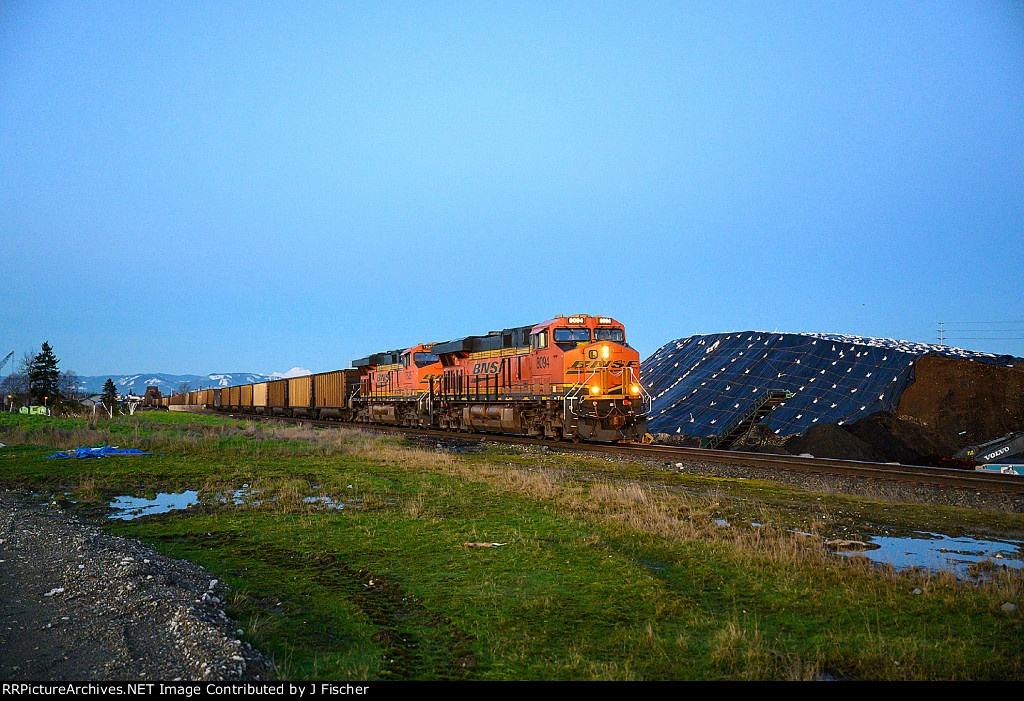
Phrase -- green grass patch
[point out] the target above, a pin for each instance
(351, 555)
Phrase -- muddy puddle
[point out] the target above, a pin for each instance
(963, 556)
(127, 507)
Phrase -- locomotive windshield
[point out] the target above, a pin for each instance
(564, 335)
(613, 335)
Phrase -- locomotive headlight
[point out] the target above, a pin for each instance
(595, 390)
(635, 389)
(604, 351)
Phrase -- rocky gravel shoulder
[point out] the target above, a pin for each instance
(79, 604)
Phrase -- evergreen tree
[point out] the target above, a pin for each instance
(109, 394)
(44, 377)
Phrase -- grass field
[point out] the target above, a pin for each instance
(351, 555)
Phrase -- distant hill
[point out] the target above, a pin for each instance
(170, 384)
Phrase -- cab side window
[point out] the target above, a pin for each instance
(540, 339)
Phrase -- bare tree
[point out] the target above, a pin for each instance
(25, 363)
(68, 384)
(12, 389)
(16, 385)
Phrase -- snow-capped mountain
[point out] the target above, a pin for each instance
(171, 384)
(294, 372)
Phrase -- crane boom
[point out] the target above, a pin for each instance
(4, 361)
(1000, 450)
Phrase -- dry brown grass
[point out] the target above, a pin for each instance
(674, 515)
(87, 490)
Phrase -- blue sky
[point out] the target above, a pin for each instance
(227, 187)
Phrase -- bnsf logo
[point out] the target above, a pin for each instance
(607, 364)
(490, 368)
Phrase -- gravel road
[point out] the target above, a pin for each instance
(77, 604)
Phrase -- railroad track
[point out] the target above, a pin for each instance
(894, 472)
(912, 474)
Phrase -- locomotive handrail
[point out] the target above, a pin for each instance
(580, 385)
(644, 394)
(425, 402)
(569, 399)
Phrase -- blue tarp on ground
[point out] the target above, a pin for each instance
(703, 385)
(97, 452)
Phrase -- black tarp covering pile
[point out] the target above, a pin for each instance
(702, 386)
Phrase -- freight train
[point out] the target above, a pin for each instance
(571, 378)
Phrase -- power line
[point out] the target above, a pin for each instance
(980, 327)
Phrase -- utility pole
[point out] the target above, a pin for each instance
(942, 334)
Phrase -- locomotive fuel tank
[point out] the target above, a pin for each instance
(491, 417)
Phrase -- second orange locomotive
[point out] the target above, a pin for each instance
(569, 377)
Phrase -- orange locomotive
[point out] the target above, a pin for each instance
(391, 386)
(569, 377)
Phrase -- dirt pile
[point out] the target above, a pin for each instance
(832, 441)
(703, 386)
(759, 439)
(952, 403)
(880, 437)
(962, 402)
